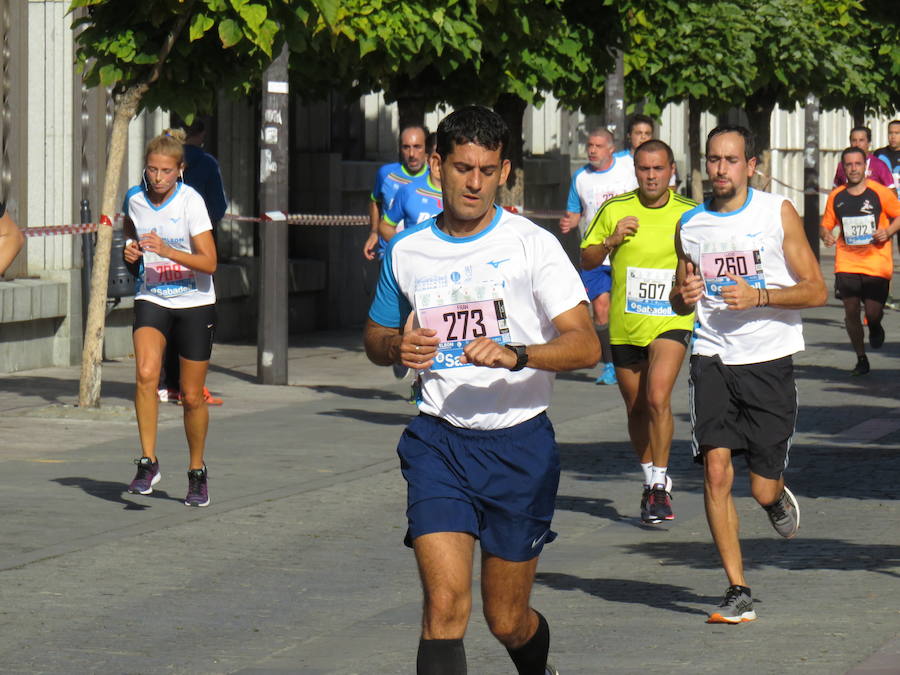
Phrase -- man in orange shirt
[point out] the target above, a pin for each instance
(857, 219)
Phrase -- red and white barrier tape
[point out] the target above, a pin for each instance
(304, 219)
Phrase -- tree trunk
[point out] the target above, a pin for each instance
(759, 114)
(126, 108)
(512, 109)
(614, 97)
(92, 354)
(410, 111)
(859, 115)
(694, 155)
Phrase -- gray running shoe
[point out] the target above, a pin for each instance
(736, 607)
(785, 514)
(550, 670)
(400, 371)
(198, 492)
(146, 477)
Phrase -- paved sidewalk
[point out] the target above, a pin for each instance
(298, 567)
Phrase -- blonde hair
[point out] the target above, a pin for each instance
(170, 143)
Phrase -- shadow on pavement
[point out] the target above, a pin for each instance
(113, 492)
(630, 591)
(796, 554)
(354, 392)
(59, 390)
(389, 419)
(600, 508)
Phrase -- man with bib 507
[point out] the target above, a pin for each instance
(486, 306)
(648, 339)
(746, 266)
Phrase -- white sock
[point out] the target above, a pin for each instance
(648, 471)
(658, 476)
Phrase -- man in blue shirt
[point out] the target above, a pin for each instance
(391, 177)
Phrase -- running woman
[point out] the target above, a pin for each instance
(744, 263)
(648, 339)
(172, 242)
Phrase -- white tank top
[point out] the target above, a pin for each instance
(746, 243)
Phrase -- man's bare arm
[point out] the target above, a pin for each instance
(809, 291)
(688, 288)
(11, 241)
(576, 346)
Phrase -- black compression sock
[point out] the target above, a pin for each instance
(441, 657)
(531, 658)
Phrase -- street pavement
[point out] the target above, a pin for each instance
(297, 566)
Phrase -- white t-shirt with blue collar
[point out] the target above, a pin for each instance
(508, 283)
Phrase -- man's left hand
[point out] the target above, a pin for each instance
(485, 352)
(740, 296)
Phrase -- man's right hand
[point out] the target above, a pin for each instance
(691, 289)
(371, 246)
(626, 227)
(568, 223)
(132, 252)
(418, 345)
(827, 237)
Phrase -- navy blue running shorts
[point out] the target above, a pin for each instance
(499, 486)
(190, 329)
(597, 281)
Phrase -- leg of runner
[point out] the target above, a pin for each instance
(196, 412)
(718, 475)
(664, 363)
(633, 386)
(874, 314)
(854, 328)
(149, 346)
(196, 424)
(445, 569)
(505, 591)
(600, 305)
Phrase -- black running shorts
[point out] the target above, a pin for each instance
(629, 355)
(750, 409)
(190, 329)
(865, 286)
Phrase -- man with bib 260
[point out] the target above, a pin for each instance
(747, 267)
(486, 306)
(862, 261)
(636, 230)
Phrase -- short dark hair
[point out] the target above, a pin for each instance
(851, 150)
(655, 145)
(472, 124)
(604, 133)
(862, 128)
(749, 141)
(639, 118)
(407, 127)
(892, 123)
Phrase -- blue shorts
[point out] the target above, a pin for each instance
(597, 281)
(499, 486)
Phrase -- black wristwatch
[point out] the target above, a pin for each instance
(521, 355)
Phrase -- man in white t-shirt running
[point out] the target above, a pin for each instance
(746, 266)
(486, 306)
(603, 177)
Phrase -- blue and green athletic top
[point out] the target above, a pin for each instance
(413, 203)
